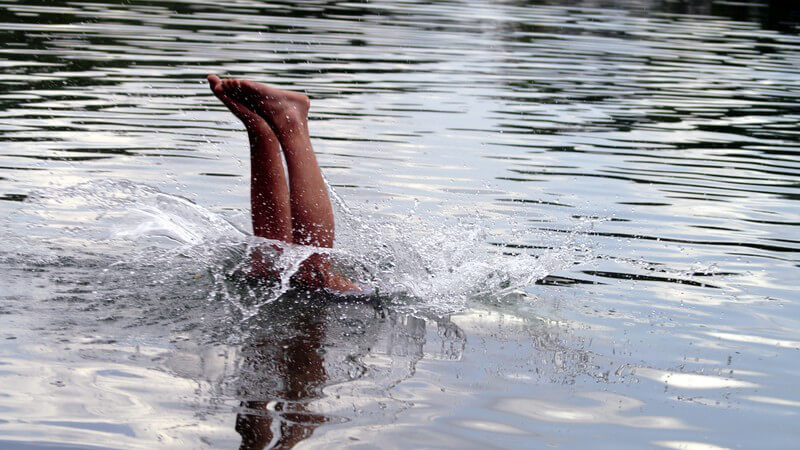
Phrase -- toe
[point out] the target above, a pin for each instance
(232, 85)
(215, 83)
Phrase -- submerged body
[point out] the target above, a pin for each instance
(296, 210)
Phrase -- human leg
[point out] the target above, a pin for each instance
(269, 192)
(310, 209)
(287, 113)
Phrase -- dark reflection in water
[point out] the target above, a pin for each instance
(303, 349)
(783, 15)
(282, 375)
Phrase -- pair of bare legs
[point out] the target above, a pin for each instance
(296, 210)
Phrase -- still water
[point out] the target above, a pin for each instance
(581, 225)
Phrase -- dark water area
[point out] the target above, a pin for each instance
(578, 223)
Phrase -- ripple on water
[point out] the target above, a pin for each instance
(483, 149)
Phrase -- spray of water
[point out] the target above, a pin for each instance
(143, 236)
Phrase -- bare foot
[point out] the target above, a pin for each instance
(285, 111)
(255, 124)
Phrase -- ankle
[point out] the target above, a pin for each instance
(290, 122)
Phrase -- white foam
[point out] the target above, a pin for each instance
(427, 264)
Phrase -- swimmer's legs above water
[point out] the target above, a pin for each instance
(269, 193)
(299, 211)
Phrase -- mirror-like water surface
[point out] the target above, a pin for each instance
(580, 224)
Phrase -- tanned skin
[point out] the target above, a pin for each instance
(296, 210)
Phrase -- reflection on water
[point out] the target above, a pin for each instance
(291, 368)
(295, 375)
(580, 220)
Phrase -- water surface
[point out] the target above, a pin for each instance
(581, 222)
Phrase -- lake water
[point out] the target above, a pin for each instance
(582, 224)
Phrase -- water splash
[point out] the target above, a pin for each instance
(145, 237)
